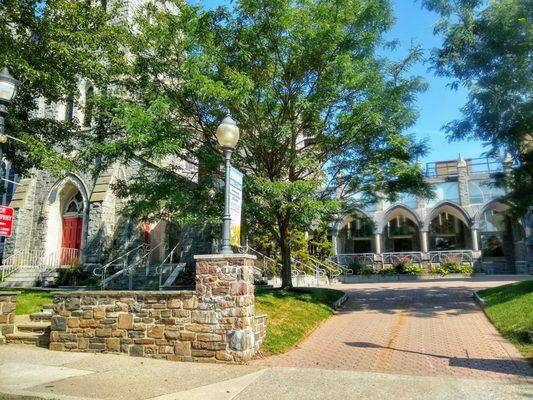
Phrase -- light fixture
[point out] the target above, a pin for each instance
(228, 133)
(227, 136)
(8, 86)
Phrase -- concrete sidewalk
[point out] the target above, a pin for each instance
(33, 373)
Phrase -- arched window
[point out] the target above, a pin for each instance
(88, 113)
(69, 108)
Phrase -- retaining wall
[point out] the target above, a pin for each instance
(215, 322)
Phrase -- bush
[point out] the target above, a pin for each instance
(388, 270)
(74, 276)
(401, 264)
(438, 270)
(412, 269)
(458, 268)
(366, 271)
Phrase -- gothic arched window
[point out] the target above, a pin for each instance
(88, 113)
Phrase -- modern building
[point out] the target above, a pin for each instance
(466, 220)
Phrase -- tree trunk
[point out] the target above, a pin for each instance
(284, 244)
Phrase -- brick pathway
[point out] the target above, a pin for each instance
(423, 328)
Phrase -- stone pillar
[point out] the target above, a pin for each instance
(8, 302)
(377, 243)
(475, 245)
(423, 241)
(462, 172)
(223, 279)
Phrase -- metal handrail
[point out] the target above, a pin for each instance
(102, 270)
(159, 268)
(128, 268)
(438, 257)
(334, 270)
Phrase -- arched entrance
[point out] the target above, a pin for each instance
(66, 223)
(72, 229)
(401, 232)
(355, 234)
(448, 228)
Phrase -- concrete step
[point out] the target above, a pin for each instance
(36, 339)
(43, 316)
(33, 327)
(18, 284)
(48, 306)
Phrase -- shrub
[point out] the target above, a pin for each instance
(401, 264)
(412, 269)
(366, 271)
(438, 270)
(388, 270)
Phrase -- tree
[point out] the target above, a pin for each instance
(487, 49)
(310, 95)
(50, 47)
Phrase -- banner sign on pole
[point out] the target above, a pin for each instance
(235, 204)
(6, 221)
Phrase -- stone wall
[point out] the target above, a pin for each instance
(8, 302)
(216, 322)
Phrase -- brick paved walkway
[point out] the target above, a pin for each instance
(424, 328)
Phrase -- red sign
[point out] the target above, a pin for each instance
(6, 221)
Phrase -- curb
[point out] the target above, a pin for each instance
(341, 301)
(479, 301)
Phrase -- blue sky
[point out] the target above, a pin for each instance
(439, 104)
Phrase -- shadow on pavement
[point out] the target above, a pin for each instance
(503, 366)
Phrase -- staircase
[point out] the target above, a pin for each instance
(152, 277)
(32, 329)
(27, 277)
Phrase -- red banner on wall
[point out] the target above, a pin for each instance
(6, 221)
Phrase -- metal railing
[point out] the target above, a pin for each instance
(460, 256)
(401, 258)
(39, 259)
(361, 259)
(102, 271)
(173, 267)
(483, 165)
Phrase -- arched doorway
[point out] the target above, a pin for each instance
(401, 231)
(72, 229)
(447, 232)
(355, 234)
(67, 220)
(448, 228)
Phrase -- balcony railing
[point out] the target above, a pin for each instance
(474, 166)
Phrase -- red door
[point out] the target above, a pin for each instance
(71, 239)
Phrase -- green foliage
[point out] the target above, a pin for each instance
(454, 267)
(51, 47)
(438, 270)
(76, 276)
(487, 49)
(401, 264)
(364, 271)
(388, 270)
(510, 308)
(291, 315)
(286, 70)
(413, 269)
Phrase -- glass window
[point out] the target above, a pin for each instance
(482, 190)
(88, 114)
(445, 191)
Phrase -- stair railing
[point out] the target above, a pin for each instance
(333, 270)
(102, 271)
(159, 269)
(143, 261)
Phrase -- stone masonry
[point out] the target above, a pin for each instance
(8, 302)
(216, 322)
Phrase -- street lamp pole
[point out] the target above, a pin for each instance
(8, 89)
(227, 136)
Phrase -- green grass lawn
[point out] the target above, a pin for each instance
(30, 300)
(510, 308)
(292, 315)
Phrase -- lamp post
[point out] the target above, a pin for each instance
(227, 136)
(8, 89)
